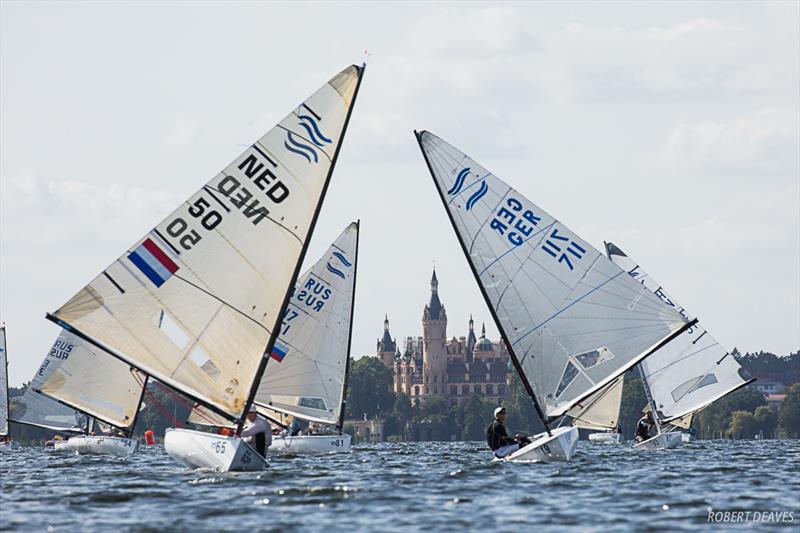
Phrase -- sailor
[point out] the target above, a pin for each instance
(497, 437)
(256, 432)
(644, 426)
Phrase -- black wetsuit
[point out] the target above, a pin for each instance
(497, 436)
(643, 428)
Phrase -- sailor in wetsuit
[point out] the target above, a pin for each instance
(497, 437)
(644, 426)
(256, 432)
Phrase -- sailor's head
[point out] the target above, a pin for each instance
(500, 414)
(251, 414)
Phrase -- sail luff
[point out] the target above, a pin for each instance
(279, 318)
(486, 298)
(343, 403)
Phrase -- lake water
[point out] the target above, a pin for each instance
(407, 487)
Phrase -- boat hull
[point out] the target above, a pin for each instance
(310, 444)
(686, 437)
(662, 441)
(605, 438)
(557, 447)
(100, 445)
(197, 449)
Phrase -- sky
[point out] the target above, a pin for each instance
(672, 129)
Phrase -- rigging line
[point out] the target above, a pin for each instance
(223, 302)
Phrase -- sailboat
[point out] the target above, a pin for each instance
(107, 391)
(306, 377)
(600, 413)
(5, 437)
(197, 303)
(572, 321)
(684, 376)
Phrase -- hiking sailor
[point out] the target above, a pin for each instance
(256, 432)
(644, 426)
(497, 437)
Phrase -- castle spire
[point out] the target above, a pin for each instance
(483, 329)
(434, 282)
(471, 322)
(386, 323)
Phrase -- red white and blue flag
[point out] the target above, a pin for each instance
(153, 262)
(278, 351)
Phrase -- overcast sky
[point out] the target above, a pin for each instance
(672, 129)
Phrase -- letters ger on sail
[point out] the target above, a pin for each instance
(193, 302)
(691, 371)
(573, 319)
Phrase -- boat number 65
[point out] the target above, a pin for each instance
(218, 446)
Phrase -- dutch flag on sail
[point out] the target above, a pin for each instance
(278, 352)
(153, 262)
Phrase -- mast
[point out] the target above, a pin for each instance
(340, 424)
(282, 311)
(8, 397)
(650, 400)
(509, 346)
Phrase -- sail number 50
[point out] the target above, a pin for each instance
(179, 228)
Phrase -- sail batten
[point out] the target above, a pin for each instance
(195, 302)
(560, 304)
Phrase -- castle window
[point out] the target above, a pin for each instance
(453, 390)
(501, 390)
(416, 390)
(478, 390)
(490, 389)
(465, 390)
(435, 390)
(435, 378)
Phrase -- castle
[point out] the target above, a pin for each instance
(454, 369)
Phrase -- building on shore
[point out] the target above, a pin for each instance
(432, 365)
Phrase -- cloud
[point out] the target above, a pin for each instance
(763, 143)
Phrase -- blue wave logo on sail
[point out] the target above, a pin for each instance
(300, 145)
(342, 259)
(456, 188)
(477, 195)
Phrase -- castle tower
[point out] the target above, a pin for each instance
(386, 346)
(471, 340)
(434, 335)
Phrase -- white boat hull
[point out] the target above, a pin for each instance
(557, 447)
(63, 446)
(686, 437)
(605, 438)
(662, 441)
(197, 449)
(100, 445)
(310, 444)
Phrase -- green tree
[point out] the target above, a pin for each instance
(789, 415)
(715, 420)
(742, 426)
(369, 390)
(403, 409)
(766, 420)
(478, 414)
(521, 412)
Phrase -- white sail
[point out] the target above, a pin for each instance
(87, 378)
(3, 383)
(601, 410)
(691, 371)
(573, 320)
(195, 301)
(305, 376)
